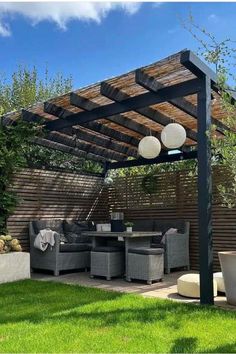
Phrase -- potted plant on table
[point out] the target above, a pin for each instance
(129, 226)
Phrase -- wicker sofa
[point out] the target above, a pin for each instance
(176, 245)
(71, 249)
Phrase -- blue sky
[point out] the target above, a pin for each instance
(97, 43)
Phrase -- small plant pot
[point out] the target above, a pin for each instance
(129, 229)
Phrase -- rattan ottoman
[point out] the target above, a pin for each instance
(145, 264)
(107, 262)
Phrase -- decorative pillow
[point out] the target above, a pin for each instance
(75, 238)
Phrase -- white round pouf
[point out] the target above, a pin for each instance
(189, 285)
(220, 282)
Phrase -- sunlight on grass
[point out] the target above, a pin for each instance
(51, 317)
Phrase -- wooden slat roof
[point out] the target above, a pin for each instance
(116, 138)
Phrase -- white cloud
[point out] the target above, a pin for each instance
(213, 18)
(61, 13)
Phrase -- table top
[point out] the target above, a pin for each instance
(121, 234)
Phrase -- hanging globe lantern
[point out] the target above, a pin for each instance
(149, 147)
(173, 136)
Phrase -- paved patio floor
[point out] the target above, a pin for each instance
(166, 289)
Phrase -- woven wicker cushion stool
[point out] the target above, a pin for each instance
(220, 282)
(145, 264)
(188, 285)
(107, 262)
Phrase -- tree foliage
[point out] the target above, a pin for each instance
(221, 55)
(22, 90)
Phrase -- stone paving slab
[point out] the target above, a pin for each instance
(167, 289)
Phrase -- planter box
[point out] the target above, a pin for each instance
(228, 266)
(14, 266)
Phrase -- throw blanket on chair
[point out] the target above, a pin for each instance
(44, 239)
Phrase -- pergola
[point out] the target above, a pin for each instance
(105, 121)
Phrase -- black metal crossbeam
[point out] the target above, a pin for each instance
(152, 114)
(140, 101)
(162, 158)
(200, 69)
(107, 142)
(66, 140)
(119, 119)
(66, 149)
(152, 84)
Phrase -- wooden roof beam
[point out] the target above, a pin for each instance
(73, 143)
(127, 123)
(146, 99)
(152, 114)
(152, 84)
(107, 142)
(66, 149)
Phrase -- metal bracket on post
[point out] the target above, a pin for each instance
(205, 193)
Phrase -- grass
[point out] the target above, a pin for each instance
(51, 317)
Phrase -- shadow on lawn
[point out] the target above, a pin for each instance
(36, 302)
(184, 345)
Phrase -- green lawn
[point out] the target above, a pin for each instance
(52, 317)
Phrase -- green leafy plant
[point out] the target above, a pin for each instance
(129, 224)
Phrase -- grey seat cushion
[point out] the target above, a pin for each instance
(74, 247)
(146, 251)
(107, 249)
(54, 225)
(157, 245)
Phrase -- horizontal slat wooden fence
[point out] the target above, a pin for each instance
(55, 195)
(59, 195)
(176, 198)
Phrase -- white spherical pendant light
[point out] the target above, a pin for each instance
(173, 136)
(149, 147)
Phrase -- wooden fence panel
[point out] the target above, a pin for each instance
(59, 195)
(55, 195)
(176, 198)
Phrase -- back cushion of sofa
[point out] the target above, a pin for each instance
(143, 225)
(54, 225)
(165, 225)
(73, 230)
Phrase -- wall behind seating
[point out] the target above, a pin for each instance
(55, 195)
(58, 195)
(176, 198)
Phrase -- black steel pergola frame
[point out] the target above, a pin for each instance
(202, 85)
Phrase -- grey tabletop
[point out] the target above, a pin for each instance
(134, 234)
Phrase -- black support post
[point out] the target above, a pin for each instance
(205, 193)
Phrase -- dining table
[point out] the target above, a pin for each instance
(135, 239)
